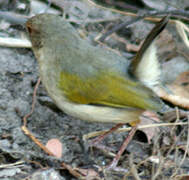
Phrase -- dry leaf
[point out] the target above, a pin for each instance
(180, 86)
(179, 89)
(89, 174)
(166, 45)
(55, 146)
(149, 118)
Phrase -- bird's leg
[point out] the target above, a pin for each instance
(96, 142)
(101, 137)
(115, 161)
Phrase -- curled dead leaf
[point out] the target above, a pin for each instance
(149, 118)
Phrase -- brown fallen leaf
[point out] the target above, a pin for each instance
(149, 118)
(167, 49)
(89, 174)
(179, 95)
(180, 86)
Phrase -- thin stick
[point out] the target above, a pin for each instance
(122, 149)
(97, 133)
(173, 13)
(15, 42)
(36, 141)
(25, 129)
(33, 103)
(101, 137)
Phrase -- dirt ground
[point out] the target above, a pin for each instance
(20, 158)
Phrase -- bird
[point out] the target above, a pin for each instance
(94, 83)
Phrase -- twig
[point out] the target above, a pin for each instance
(33, 103)
(148, 15)
(36, 141)
(185, 153)
(97, 133)
(128, 139)
(11, 164)
(72, 171)
(187, 146)
(16, 43)
(25, 129)
(177, 119)
(118, 27)
(133, 169)
(101, 137)
(158, 171)
(137, 167)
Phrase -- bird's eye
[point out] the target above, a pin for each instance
(29, 29)
(32, 30)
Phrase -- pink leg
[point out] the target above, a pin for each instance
(122, 149)
(101, 137)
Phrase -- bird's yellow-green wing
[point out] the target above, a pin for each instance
(108, 88)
